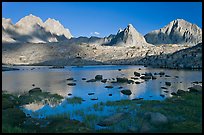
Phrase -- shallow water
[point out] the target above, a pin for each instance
(54, 81)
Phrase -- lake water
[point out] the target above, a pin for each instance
(54, 81)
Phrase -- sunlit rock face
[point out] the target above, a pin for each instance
(55, 27)
(176, 32)
(128, 37)
(7, 28)
(32, 29)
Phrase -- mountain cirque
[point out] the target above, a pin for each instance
(56, 46)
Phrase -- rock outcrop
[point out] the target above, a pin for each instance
(176, 32)
(185, 58)
(128, 37)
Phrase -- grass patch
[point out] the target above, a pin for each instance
(31, 97)
(184, 113)
(12, 129)
(98, 107)
(75, 100)
(90, 120)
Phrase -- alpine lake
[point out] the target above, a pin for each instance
(101, 98)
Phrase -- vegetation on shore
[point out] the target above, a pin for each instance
(183, 113)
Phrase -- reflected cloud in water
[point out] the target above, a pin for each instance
(54, 81)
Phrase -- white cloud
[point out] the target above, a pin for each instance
(95, 33)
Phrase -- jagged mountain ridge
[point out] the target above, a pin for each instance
(32, 29)
(176, 32)
(129, 37)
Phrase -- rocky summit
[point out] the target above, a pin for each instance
(128, 37)
(176, 32)
(55, 27)
(31, 29)
(177, 45)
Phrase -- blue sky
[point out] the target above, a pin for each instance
(105, 18)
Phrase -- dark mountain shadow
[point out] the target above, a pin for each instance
(186, 59)
(115, 39)
(39, 33)
(68, 61)
(18, 37)
(85, 40)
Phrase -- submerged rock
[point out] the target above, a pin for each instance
(122, 80)
(56, 67)
(130, 81)
(94, 98)
(146, 77)
(91, 80)
(168, 83)
(135, 78)
(98, 77)
(113, 82)
(154, 77)
(108, 86)
(70, 79)
(195, 88)
(112, 119)
(163, 88)
(34, 90)
(148, 74)
(179, 91)
(104, 80)
(196, 82)
(90, 93)
(167, 76)
(137, 82)
(126, 92)
(162, 95)
(173, 93)
(71, 84)
(136, 74)
(166, 91)
(156, 73)
(161, 73)
(137, 98)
